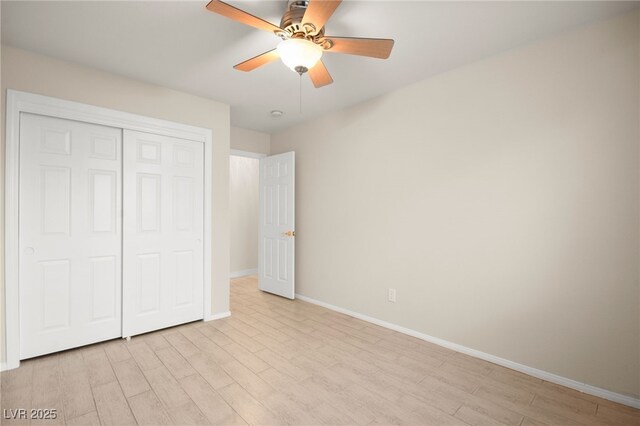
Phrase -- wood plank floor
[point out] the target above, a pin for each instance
(277, 361)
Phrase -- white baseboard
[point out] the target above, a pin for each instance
(544, 375)
(218, 316)
(4, 366)
(243, 273)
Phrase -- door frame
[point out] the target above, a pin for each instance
(19, 102)
(246, 154)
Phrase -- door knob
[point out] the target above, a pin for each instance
(289, 234)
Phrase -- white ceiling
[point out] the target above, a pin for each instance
(182, 46)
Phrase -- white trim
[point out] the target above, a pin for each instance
(11, 241)
(249, 154)
(19, 102)
(217, 316)
(541, 374)
(243, 273)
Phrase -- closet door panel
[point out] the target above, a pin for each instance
(163, 232)
(69, 234)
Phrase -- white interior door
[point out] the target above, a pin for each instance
(70, 234)
(276, 251)
(163, 232)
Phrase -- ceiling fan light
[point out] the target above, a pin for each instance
(299, 54)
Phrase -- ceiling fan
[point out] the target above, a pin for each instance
(303, 40)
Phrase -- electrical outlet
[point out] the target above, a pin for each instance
(392, 295)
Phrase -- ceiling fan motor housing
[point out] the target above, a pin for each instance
(292, 26)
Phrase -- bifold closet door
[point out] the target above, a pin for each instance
(163, 276)
(69, 234)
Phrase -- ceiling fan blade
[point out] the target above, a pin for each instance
(319, 75)
(258, 61)
(236, 14)
(372, 47)
(319, 11)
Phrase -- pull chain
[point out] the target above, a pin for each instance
(300, 93)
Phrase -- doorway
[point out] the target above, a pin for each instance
(262, 207)
(244, 210)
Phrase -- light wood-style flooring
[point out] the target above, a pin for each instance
(277, 361)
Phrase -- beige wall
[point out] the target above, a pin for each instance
(250, 140)
(34, 73)
(243, 212)
(499, 199)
